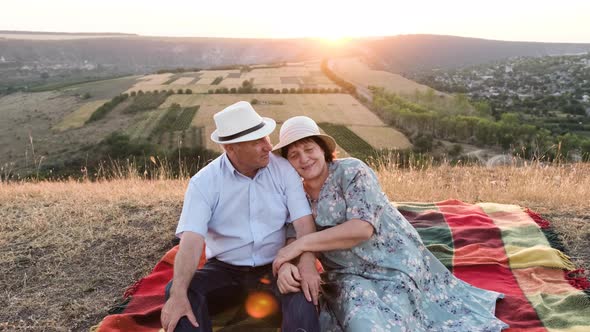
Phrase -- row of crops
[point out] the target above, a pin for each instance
(146, 101)
(176, 118)
(349, 141)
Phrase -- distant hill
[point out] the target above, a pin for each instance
(137, 54)
(28, 33)
(406, 53)
(24, 60)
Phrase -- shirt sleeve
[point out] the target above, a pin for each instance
(297, 203)
(196, 211)
(362, 194)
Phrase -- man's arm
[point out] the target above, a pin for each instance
(185, 265)
(310, 277)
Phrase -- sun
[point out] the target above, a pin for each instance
(334, 40)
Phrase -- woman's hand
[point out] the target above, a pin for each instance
(288, 279)
(286, 254)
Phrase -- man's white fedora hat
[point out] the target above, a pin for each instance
(240, 123)
(299, 127)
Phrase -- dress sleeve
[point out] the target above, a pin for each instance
(362, 194)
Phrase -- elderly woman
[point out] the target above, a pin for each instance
(379, 275)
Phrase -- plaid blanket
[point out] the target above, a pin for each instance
(499, 247)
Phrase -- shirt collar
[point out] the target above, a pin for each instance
(234, 171)
(229, 165)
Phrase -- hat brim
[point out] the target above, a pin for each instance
(267, 129)
(330, 142)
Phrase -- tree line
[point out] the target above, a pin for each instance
(508, 132)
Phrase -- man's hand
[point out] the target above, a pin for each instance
(310, 277)
(174, 309)
(288, 279)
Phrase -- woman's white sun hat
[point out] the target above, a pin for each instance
(240, 123)
(299, 127)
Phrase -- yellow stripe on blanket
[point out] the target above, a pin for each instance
(520, 257)
(571, 329)
(562, 311)
(496, 207)
(505, 215)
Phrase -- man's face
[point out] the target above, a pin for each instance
(252, 155)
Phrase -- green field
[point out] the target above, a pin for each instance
(104, 89)
(348, 140)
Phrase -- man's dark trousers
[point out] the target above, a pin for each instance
(219, 285)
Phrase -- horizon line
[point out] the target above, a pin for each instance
(130, 34)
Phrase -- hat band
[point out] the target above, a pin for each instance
(241, 133)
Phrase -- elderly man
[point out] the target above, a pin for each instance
(239, 205)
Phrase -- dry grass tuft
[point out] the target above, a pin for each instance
(68, 250)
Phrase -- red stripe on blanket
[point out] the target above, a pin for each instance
(463, 220)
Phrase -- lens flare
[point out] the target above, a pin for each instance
(261, 304)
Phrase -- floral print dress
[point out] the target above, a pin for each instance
(390, 282)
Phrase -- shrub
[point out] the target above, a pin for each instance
(103, 110)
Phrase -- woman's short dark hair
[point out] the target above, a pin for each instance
(329, 156)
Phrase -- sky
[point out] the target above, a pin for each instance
(517, 20)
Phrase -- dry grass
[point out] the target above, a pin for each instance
(78, 118)
(68, 250)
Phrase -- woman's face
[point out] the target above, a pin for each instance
(308, 159)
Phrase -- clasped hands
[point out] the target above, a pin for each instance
(293, 278)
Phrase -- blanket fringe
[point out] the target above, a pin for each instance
(119, 307)
(567, 262)
(577, 278)
(132, 289)
(553, 239)
(543, 223)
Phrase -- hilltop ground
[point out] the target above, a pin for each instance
(68, 250)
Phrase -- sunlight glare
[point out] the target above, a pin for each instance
(261, 304)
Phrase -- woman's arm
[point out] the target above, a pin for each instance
(343, 236)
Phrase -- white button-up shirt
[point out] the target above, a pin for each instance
(243, 219)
